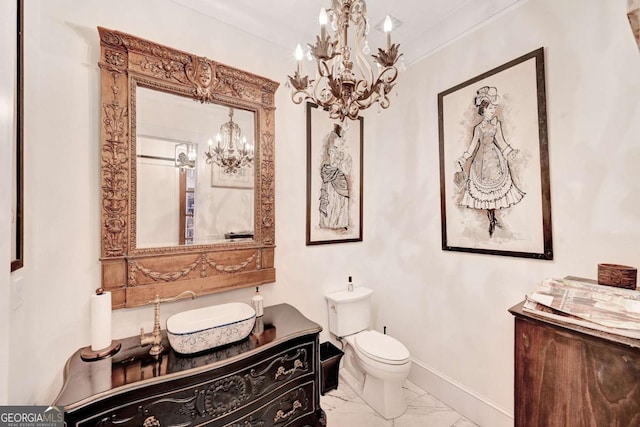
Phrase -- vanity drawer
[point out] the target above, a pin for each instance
(209, 396)
(281, 368)
(289, 409)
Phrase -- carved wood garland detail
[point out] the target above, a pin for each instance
(128, 62)
(202, 261)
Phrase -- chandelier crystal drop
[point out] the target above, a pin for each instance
(232, 152)
(339, 87)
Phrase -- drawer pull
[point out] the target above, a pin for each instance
(297, 364)
(281, 415)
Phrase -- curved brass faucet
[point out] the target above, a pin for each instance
(155, 337)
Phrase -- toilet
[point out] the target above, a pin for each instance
(374, 365)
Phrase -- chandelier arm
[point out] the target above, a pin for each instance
(366, 90)
(363, 64)
(362, 90)
(383, 83)
(388, 75)
(367, 101)
(299, 95)
(323, 69)
(322, 92)
(376, 96)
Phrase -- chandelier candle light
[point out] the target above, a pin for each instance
(337, 88)
(232, 151)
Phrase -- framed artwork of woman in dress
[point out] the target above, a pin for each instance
(494, 165)
(334, 178)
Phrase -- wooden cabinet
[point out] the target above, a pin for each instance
(269, 379)
(570, 376)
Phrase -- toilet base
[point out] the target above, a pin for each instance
(384, 397)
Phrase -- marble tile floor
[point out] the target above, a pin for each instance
(345, 408)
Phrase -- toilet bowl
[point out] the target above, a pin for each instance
(374, 365)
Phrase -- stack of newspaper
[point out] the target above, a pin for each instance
(605, 308)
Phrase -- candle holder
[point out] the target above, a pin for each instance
(89, 355)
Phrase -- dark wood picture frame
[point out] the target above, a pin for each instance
(494, 162)
(17, 256)
(334, 178)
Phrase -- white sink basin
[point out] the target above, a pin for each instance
(205, 328)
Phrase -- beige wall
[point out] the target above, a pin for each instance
(450, 309)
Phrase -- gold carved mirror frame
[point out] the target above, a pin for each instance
(134, 275)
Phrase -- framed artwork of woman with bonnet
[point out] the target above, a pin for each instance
(494, 172)
(487, 182)
(334, 178)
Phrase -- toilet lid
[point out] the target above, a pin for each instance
(381, 347)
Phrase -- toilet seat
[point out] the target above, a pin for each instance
(381, 348)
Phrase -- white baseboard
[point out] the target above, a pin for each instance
(464, 401)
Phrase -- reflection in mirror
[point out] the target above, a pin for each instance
(194, 186)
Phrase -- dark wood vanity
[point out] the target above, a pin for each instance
(569, 375)
(271, 378)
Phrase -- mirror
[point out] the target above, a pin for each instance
(191, 201)
(187, 173)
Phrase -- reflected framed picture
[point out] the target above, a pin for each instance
(494, 165)
(334, 178)
(241, 178)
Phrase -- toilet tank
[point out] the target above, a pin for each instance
(349, 311)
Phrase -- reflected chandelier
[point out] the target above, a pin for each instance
(337, 87)
(185, 157)
(231, 152)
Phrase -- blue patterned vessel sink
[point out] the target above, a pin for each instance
(202, 329)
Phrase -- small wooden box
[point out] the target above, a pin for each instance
(620, 276)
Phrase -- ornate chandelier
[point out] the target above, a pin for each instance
(231, 152)
(338, 87)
